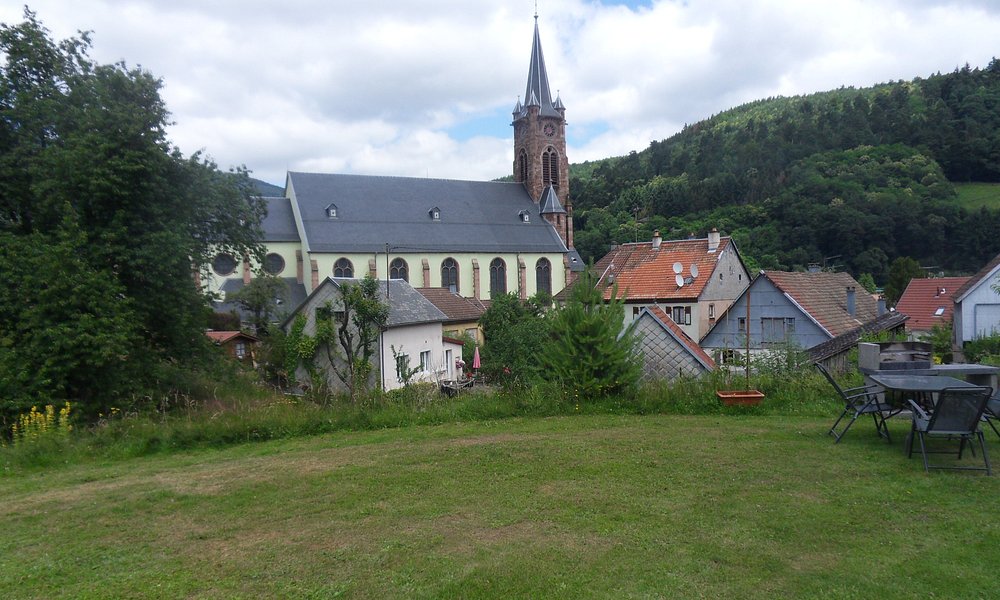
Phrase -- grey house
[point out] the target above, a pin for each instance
(804, 309)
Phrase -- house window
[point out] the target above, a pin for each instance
(343, 268)
(224, 264)
(472, 333)
(449, 274)
(498, 277)
(939, 312)
(776, 329)
(682, 315)
(635, 311)
(711, 311)
(241, 350)
(274, 264)
(728, 357)
(543, 276)
(741, 325)
(425, 360)
(402, 364)
(398, 269)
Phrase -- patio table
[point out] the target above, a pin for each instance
(921, 388)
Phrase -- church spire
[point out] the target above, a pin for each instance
(537, 92)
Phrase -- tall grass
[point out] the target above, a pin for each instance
(241, 411)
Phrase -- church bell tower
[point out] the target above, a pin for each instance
(540, 161)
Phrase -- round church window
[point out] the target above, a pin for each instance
(274, 264)
(224, 264)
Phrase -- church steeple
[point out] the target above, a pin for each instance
(540, 161)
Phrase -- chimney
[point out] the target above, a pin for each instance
(713, 239)
(657, 240)
(881, 305)
(850, 300)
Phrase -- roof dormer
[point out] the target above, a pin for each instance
(524, 216)
(434, 214)
(331, 211)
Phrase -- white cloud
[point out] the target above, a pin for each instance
(412, 88)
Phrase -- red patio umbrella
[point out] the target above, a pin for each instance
(475, 359)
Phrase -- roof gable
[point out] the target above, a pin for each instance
(406, 305)
(929, 301)
(986, 272)
(668, 325)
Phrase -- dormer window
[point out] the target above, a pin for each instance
(331, 211)
(524, 216)
(939, 312)
(435, 214)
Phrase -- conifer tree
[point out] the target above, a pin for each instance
(587, 352)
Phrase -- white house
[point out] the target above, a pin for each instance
(977, 306)
(412, 337)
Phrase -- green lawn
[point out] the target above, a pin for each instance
(974, 196)
(584, 506)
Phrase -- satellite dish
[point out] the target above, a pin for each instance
(678, 268)
(679, 279)
(694, 271)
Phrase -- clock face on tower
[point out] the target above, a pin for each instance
(549, 130)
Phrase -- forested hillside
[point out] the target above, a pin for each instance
(856, 176)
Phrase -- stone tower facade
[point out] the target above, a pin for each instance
(540, 161)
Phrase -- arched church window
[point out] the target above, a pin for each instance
(449, 274)
(543, 276)
(343, 268)
(522, 166)
(498, 277)
(398, 269)
(550, 167)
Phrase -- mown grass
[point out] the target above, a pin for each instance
(598, 505)
(973, 196)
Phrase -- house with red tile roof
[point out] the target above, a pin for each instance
(462, 314)
(236, 344)
(929, 302)
(692, 281)
(804, 309)
(977, 306)
(668, 352)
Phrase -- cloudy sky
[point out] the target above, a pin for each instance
(425, 88)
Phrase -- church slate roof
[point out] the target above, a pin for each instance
(475, 216)
(279, 224)
(550, 203)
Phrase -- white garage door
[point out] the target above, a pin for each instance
(987, 319)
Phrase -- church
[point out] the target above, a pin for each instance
(477, 239)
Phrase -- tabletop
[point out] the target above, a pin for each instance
(918, 383)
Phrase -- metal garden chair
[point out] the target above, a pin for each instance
(858, 401)
(957, 413)
(992, 413)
